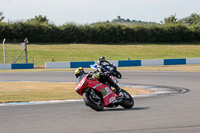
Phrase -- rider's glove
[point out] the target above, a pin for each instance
(91, 73)
(107, 73)
(96, 76)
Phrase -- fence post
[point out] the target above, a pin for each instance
(4, 52)
(25, 42)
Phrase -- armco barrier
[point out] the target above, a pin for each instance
(57, 65)
(153, 62)
(22, 66)
(120, 63)
(85, 64)
(5, 66)
(192, 60)
(174, 61)
(126, 63)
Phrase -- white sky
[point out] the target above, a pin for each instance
(89, 11)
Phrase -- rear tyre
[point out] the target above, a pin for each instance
(93, 100)
(127, 101)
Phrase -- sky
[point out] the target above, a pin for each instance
(91, 11)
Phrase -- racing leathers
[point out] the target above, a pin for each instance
(101, 64)
(103, 78)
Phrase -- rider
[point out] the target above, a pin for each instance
(79, 73)
(101, 62)
(102, 77)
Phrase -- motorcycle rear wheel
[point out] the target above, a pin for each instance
(127, 101)
(92, 102)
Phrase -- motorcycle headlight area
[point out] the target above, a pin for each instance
(80, 85)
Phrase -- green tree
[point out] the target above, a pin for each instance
(194, 18)
(170, 20)
(1, 16)
(39, 19)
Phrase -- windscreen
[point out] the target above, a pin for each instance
(80, 77)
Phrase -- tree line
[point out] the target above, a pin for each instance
(40, 30)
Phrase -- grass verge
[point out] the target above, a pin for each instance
(41, 53)
(44, 91)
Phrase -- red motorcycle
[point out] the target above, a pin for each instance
(97, 95)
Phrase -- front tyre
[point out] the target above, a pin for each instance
(127, 101)
(93, 100)
(118, 75)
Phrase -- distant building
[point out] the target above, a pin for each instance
(131, 22)
(118, 19)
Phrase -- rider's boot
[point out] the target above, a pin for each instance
(117, 88)
(118, 92)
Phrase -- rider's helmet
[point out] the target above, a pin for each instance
(79, 71)
(102, 58)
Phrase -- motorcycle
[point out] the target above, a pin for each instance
(112, 69)
(97, 95)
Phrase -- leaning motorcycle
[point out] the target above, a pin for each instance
(112, 69)
(97, 95)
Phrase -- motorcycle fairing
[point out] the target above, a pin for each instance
(108, 95)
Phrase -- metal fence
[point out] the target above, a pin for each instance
(11, 50)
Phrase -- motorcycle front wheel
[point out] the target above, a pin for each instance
(127, 101)
(93, 101)
(118, 75)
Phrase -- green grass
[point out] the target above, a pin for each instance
(41, 53)
(43, 91)
(36, 91)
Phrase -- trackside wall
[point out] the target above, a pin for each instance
(17, 66)
(118, 63)
(126, 63)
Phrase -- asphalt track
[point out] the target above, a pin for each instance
(175, 113)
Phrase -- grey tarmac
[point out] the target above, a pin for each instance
(178, 113)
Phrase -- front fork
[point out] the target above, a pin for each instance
(94, 95)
